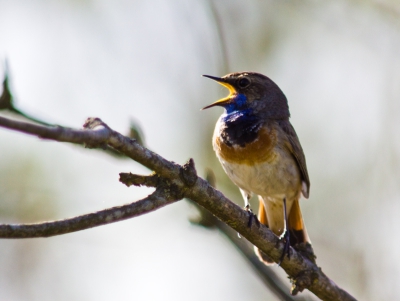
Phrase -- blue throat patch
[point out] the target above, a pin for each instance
(238, 116)
(241, 125)
(239, 103)
(237, 110)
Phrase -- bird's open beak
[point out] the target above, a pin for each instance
(225, 100)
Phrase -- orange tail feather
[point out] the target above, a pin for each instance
(296, 227)
(262, 217)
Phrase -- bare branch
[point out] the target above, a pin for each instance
(156, 200)
(182, 181)
(97, 134)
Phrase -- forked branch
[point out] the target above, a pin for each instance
(173, 182)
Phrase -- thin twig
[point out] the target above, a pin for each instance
(155, 201)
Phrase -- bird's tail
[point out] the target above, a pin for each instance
(296, 227)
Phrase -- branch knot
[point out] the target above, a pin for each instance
(302, 281)
(188, 173)
(95, 123)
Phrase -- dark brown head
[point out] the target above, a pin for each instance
(254, 91)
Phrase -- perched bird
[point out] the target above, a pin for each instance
(261, 153)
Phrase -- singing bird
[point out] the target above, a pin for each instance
(261, 153)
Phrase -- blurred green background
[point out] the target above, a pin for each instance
(338, 62)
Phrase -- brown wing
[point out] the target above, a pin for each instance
(297, 152)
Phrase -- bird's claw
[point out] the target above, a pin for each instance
(252, 216)
(286, 249)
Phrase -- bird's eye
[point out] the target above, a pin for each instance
(243, 82)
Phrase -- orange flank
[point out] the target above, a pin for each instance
(295, 218)
(257, 151)
(262, 214)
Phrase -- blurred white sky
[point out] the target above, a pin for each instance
(337, 62)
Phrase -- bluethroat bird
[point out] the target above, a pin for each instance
(261, 153)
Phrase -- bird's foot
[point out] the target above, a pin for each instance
(286, 249)
(252, 216)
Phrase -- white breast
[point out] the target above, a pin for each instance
(279, 179)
